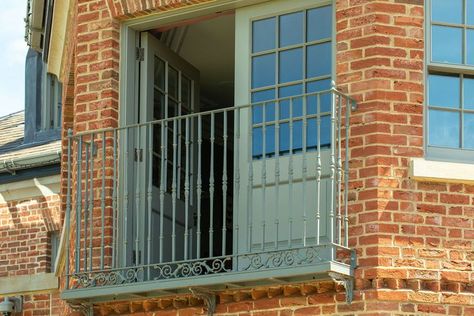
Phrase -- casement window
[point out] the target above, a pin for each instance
(51, 103)
(450, 80)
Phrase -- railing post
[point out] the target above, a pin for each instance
(333, 145)
(67, 217)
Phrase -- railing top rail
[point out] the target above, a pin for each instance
(216, 111)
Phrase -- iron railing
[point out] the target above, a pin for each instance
(239, 189)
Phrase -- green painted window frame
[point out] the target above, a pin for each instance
(440, 68)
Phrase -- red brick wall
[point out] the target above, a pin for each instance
(413, 239)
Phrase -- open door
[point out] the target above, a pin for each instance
(285, 133)
(168, 89)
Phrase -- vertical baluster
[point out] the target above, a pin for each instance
(137, 213)
(333, 175)
(224, 186)
(149, 173)
(211, 190)
(114, 201)
(91, 200)
(290, 176)
(339, 170)
(250, 184)
(304, 171)
(67, 217)
(174, 188)
(86, 204)
(277, 172)
(78, 205)
(236, 175)
(125, 196)
(199, 188)
(346, 177)
(264, 172)
(163, 183)
(186, 191)
(102, 206)
(318, 168)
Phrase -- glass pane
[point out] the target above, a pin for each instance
(319, 60)
(444, 91)
(257, 142)
(284, 138)
(159, 75)
(470, 47)
(263, 71)
(259, 96)
(469, 131)
(450, 11)
(291, 29)
(324, 99)
(158, 105)
(291, 65)
(172, 108)
(444, 128)
(468, 93)
(470, 12)
(297, 135)
(325, 131)
(270, 139)
(186, 92)
(289, 91)
(319, 23)
(446, 44)
(173, 82)
(263, 35)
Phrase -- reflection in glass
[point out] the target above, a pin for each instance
(319, 23)
(468, 93)
(450, 11)
(159, 73)
(469, 131)
(318, 60)
(470, 11)
(291, 65)
(259, 96)
(324, 98)
(263, 71)
(470, 47)
(444, 91)
(291, 29)
(446, 44)
(173, 82)
(444, 128)
(289, 91)
(263, 32)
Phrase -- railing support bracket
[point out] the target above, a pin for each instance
(207, 296)
(84, 308)
(347, 282)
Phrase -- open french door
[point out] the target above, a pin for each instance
(169, 88)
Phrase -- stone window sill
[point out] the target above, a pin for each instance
(441, 171)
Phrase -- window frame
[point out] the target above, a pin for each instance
(431, 67)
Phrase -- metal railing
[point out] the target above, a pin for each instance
(237, 189)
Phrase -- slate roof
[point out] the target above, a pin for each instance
(11, 140)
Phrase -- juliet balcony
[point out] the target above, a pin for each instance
(231, 198)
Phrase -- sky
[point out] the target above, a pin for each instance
(13, 50)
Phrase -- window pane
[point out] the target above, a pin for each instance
(444, 128)
(297, 135)
(263, 35)
(318, 61)
(284, 137)
(446, 44)
(470, 12)
(269, 139)
(468, 93)
(444, 91)
(470, 47)
(259, 96)
(450, 11)
(173, 82)
(289, 91)
(291, 65)
(469, 131)
(319, 23)
(263, 71)
(324, 99)
(291, 29)
(257, 142)
(159, 75)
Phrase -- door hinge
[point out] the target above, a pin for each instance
(138, 154)
(140, 53)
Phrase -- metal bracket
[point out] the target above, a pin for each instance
(347, 282)
(84, 308)
(207, 296)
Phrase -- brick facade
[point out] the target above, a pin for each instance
(413, 239)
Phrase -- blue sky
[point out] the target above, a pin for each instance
(12, 56)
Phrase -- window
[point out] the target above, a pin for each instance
(51, 103)
(450, 80)
(291, 55)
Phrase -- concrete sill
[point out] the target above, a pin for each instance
(441, 171)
